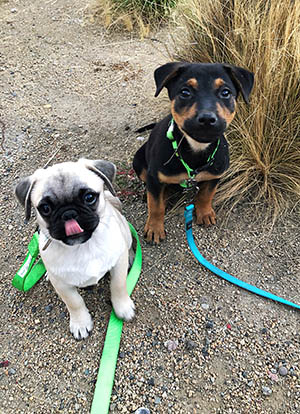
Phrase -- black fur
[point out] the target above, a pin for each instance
(203, 100)
(58, 212)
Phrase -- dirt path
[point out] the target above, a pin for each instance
(198, 345)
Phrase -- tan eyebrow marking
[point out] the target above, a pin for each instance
(218, 83)
(193, 83)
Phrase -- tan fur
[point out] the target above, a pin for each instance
(187, 113)
(224, 113)
(143, 175)
(193, 83)
(203, 205)
(218, 83)
(172, 179)
(155, 222)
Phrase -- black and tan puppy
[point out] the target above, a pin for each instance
(189, 144)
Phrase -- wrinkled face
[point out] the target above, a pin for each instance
(68, 203)
(203, 100)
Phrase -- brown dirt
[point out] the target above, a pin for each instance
(69, 89)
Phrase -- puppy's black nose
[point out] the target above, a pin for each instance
(207, 118)
(69, 215)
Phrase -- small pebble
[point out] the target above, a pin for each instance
(11, 371)
(62, 315)
(274, 377)
(283, 371)
(205, 306)
(204, 352)
(151, 381)
(209, 325)
(190, 345)
(171, 345)
(48, 308)
(142, 410)
(266, 390)
(157, 400)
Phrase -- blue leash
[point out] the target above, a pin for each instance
(188, 214)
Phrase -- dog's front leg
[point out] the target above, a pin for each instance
(122, 304)
(154, 227)
(81, 323)
(203, 203)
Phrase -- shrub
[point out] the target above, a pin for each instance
(263, 36)
(131, 14)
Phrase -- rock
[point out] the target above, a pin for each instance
(283, 371)
(11, 371)
(190, 345)
(266, 390)
(48, 308)
(151, 381)
(209, 325)
(142, 410)
(274, 377)
(171, 345)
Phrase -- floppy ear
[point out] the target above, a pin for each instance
(23, 193)
(167, 72)
(106, 170)
(243, 80)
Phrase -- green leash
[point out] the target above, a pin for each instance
(29, 274)
(190, 172)
(105, 379)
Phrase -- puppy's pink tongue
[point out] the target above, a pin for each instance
(72, 227)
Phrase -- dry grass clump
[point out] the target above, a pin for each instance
(263, 36)
(132, 14)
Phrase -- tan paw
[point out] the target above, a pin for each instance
(154, 231)
(206, 217)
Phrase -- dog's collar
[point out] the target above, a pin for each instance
(190, 171)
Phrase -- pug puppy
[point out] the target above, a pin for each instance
(83, 234)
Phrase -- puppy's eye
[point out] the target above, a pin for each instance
(184, 93)
(45, 209)
(225, 93)
(90, 198)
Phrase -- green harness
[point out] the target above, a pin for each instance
(190, 171)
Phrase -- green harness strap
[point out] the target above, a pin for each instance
(190, 171)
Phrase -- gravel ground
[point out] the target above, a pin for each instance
(198, 344)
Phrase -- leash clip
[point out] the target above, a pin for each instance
(190, 188)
